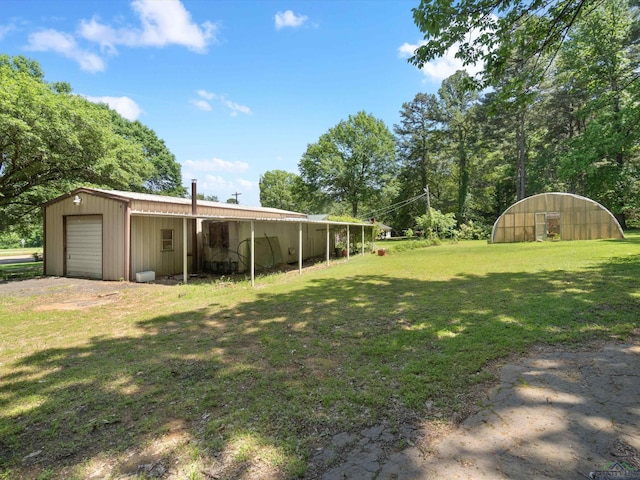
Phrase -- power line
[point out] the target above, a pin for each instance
(395, 206)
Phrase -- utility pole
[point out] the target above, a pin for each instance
(426, 191)
(236, 195)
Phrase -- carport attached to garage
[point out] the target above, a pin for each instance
(113, 235)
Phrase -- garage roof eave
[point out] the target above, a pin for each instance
(91, 191)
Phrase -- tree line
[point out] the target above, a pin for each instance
(555, 109)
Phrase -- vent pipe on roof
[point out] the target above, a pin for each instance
(194, 225)
(194, 196)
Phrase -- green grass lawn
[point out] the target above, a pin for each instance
(20, 271)
(211, 372)
(9, 252)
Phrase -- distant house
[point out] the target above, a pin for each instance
(556, 216)
(385, 231)
(113, 235)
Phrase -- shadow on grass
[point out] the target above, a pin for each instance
(20, 271)
(274, 378)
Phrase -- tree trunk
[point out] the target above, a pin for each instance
(622, 220)
(620, 157)
(521, 158)
(463, 184)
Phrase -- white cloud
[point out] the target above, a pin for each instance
(407, 50)
(104, 35)
(445, 66)
(216, 165)
(123, 105)
(221, 185)
(161, 23)
(235, 107)
(216, 177)
(289, 19)
(225, 188)
(4, 29)
(247, 184)
(65, 44)
(217, 183)
(202, 105)
(220, 182)
(206, 97)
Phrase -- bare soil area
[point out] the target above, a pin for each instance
(58, 293)
(558, 413)
(54, 285)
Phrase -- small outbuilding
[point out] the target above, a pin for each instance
(385, 231)
(555, 216)
(115, 235)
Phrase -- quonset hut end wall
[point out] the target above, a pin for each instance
(555, 215)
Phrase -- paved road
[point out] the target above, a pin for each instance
(16, 259)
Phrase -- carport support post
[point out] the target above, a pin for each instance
(327, 244)
(300, 248)
(184, 250)
(348, 244)
(253, 254)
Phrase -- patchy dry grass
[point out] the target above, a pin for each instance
(205, 380)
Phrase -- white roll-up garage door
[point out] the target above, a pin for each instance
(84, 246)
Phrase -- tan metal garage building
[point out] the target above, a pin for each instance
(555, 215)
(114, 235)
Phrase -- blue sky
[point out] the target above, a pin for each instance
(234, 88)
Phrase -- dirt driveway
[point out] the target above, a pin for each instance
(556, 414)
(61, 293)
(48, 285)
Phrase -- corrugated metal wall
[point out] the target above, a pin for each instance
(313, 239)
(146, 245)
(580, 219)
(113, 216)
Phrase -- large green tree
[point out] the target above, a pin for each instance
(483, 31)
(52, 141)
(165, 176)
(352, 162)
(423, 160)
(456, 113)
(49, 139)
(278, 190)
(437, 143)
(563, 111)
(600, 62)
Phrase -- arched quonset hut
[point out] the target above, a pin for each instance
(555, 215)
